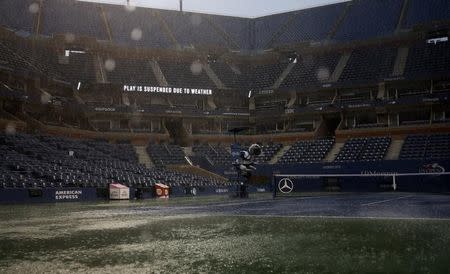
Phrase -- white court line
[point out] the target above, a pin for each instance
(239, 203)
(257, 202)
(216, 204)
(388, 200)
(338, 217)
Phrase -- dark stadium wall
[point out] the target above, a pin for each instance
(265, 171)
(427, 184)
(179, 191)
(86, 194)
(51, 195)
(394, 166)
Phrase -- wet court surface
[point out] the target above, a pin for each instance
(382, 232)
(379, 205)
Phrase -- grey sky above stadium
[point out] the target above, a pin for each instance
(241, 8)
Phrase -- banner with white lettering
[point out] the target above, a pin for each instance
(167, 90)
(68, 195)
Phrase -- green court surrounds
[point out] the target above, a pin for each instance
(122, 238)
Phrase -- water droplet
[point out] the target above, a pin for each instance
(33, 8)
(10, 129)
(69, 37)
(45, 98)
(196, 19)
(136, 34)
(110, 64)
(196, 67)
(130, 7)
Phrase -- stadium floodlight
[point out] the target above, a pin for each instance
(443, 39)
(67, 52)
(79, 86)
(77, 51)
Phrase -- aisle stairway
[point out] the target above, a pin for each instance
(332, 154)
(143, 156)
(279, 154)
(393, 152)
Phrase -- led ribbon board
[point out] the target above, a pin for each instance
(167, 90)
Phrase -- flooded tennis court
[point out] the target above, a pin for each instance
(217, 235)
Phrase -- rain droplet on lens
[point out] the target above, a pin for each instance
(69, 37)
(136, 34)
(196, 19)
(196, 67)
(33, 8)
(10, 129)
(130, 7)
(110, 64)
(45, 98)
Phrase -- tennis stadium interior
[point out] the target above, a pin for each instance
(141, 96)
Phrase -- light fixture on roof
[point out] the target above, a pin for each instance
(250, 93)
(79, 86)
(211, 58)
(67, 52)
(436, 40)
(291, 56)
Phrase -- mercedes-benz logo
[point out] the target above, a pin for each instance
(286, 185)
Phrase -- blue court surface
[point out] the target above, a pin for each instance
(364, 205)
(317, 233)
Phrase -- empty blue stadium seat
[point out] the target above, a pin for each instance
(311, 70)
(231, 75)
(370, 19)
(266, 27)
(369, 64)
(145, 24)
(311, 24)
(419, 147)
(183, 74)
(193, 29)
(215, 155)
(307, 152)
(238, 29)
(132, 71)
(264, 76)
(361, 19)
(364, 149)
(44, 161)
(18, 14)
(425, 60)
(163, 155)
(426, 12)
(63, 17)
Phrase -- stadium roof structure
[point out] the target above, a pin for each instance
(236, 8)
